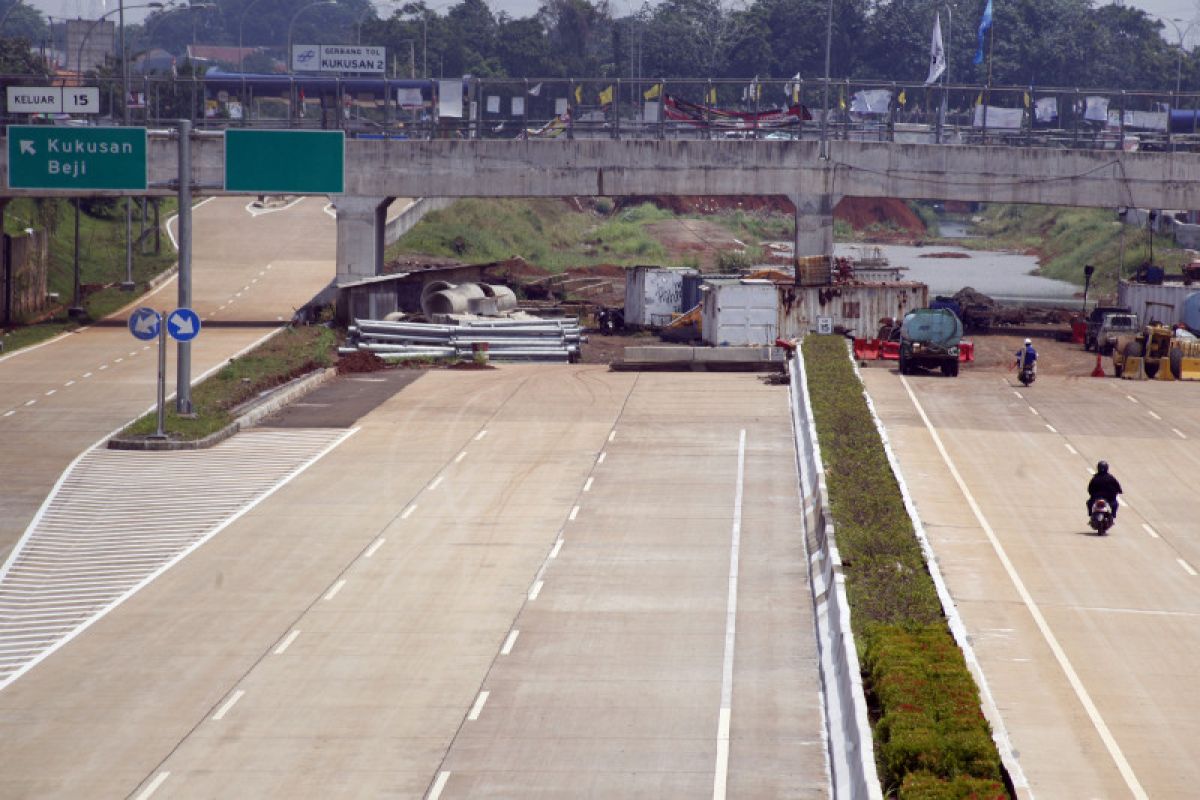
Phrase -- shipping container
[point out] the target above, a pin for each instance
(653, 294)
(739, 312)
(855, 309)
(1155, 302)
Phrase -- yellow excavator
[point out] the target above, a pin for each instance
(1158, 354)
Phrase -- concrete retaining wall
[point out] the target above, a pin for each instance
(30, 265)
(404, 222)
(850, 746)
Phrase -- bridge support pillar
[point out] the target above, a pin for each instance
(814, 223)
(360, 229)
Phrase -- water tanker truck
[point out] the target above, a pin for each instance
(929, 339)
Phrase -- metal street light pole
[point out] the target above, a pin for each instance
(825, 91)
(292, 22)
(241, 24)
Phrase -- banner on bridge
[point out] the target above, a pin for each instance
(338, 58)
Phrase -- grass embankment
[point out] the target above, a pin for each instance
(101, 259)
(547, 233)
(931, 738)
(1067, 239)
(288, 354)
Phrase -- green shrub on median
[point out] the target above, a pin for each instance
(931, 738)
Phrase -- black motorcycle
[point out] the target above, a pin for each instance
(1026, 375)
(1101, 517)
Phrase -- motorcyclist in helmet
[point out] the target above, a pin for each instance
(1027, 355)
(1103, 484)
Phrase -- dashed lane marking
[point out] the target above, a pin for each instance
(587, 487)
(1149, 530)
(1187, 567)
(10, 413)
(479, 436)
(535, 590)
(230, 703)
(69, 383)
(436, 482)
(558, 543)
(1179, 433)
(50, 392)
(1051, 428)
(1131, 398)
(152, 787)
(612, 435)
(118, 519)
(509, 642)
(374, 547)
(460, 456)
(477, 709)
(1156, 416)
(30, 402)
(408, 511)
(87, 374)
(603, 456)
(1071, 450)
(286, 643)
(574, 513)
(438, 785)
(337, 587)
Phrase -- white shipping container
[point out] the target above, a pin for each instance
(739, 312)
(1155, 303)
(653, 294)
(852, 308)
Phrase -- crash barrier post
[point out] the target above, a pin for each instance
(847, 728)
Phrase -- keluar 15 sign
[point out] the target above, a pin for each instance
(338, 58)
(53, 100)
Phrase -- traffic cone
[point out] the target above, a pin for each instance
(1098, 372)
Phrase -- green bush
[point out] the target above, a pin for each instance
(931, 738)
(733, 260)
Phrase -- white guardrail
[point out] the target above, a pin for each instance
(851, 749)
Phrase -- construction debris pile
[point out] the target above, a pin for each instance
(502, 339)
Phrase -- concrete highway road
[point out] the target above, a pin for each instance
(57, 399)
(1089, 645)
(523, 582)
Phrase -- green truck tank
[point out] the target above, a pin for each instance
(929, 339)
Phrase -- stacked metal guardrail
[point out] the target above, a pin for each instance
(539, 340)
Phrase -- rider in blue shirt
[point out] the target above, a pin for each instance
(1027, 355)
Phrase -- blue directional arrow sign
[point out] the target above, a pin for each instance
(144, 323)
(183, 324)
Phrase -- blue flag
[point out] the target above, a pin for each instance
(984, 24)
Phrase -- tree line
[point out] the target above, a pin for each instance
(1061, 43)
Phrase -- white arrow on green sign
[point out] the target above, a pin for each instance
(48, 157)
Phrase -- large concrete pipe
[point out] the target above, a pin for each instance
(455, 300)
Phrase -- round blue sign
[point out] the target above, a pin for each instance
(183, 324)
(144, 323)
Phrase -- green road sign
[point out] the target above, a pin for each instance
(295, 162)
(49, 157)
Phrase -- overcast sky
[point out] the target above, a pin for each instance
(1185, 10)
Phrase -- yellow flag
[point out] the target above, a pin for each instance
(903, 98)
(979, 100)
(578, 95)
(712, 96)
(795, 95)
(606, 97)
(1027, 99)
(842, 99)
(653, 92)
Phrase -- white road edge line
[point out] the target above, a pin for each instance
(223, 710)
(287, 642)
(436, 791)
(477, 709)
(509, 642)
(1186, 566)
(337, 587)
(721, 778)
(1146, 527)
(378, 544)
(152, 787)
(1110, 743)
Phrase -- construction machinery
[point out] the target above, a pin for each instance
(1158, 353)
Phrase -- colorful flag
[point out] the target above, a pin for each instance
(937, 52)
(902, 98)
(578, 94)
(712, 96)
(984, 24)
(535, 91)
(842, 98)
(653, 92)
(606, 96)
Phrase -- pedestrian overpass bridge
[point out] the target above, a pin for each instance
(813, 174)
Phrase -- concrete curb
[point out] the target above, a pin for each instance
(287, 393)
(850, 746)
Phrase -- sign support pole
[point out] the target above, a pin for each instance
(183, 381)
(159, 433)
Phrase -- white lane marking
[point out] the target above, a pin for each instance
(118, 360)
(1051, 428)
(1186, 566)
(477, 709)
(133, 352)
(1179, 433)
(574, 513)
(603, 456)
(378, 544)
(1034, 410)
(408, 511)
(223, 710)
(1110, 743)
(337, 587)
(30, 402)
(557, 547)
(287, 642)
(438, 785)
(87, 374)
(1071, 450)
(50, 392)
(152, 787)
(509, 642)
(612, 435)
(460, 456)
(587, 487)
(1149, 530)
(1018, 394)
(536, 590)
(436, 482)
(722, 773)
(1131, 398)
(236, 294)
(69, 383)
(481, 434)
(147, 347)
(10, 413)
(1156, 416)
(246, 288)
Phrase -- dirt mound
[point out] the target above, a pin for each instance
(946, 254)
(362, 361)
